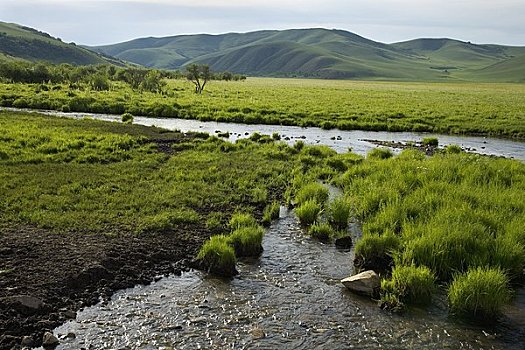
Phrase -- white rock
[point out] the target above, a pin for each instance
(364, 283)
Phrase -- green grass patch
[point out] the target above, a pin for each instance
(271, 212)
(339, 213)
(312, 191)
(321, 231)
(479, 292)
(409, 284)
(240, 220)
(308, 212)
(247, 241)
(218, 257)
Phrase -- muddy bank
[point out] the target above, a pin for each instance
(45, 277)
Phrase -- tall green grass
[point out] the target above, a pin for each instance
(308, 212)
(218, 257)
(339, 213)
(312, 191)
(247, 241)
(480, 292)
(409, 284)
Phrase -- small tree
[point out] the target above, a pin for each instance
(198, 75)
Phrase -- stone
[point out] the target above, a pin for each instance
(26, 304)
(27, 341)
(344, 242)
(70, 314)
(49, 339)
(366, 283)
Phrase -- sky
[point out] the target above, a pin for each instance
(97, 22)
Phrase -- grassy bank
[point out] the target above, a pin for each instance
(458, 215)
(487, 109)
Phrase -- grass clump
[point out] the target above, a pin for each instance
(312, 191)
(430, 141)
(321, 231)
(127, 118)
(339, 213)
(308, 212)
(240, 220)
(480, 292)
(218, 257)
(380, 153)
(453, 149)
(271, 212)
(247, 241)
(409, 284)
(375, 251)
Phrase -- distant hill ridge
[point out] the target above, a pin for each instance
(327, 53)
(23, 43)
(316, 52)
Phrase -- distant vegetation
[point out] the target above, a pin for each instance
(486, 109)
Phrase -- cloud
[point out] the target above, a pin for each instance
(108, 21)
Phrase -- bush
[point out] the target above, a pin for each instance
(430, 141)
(312, 191)
(380, 153)
(127, 118)
(339, 213)
(271, 212)
(410, 284)
(239, 220)
(308, 212)
(322, 232)
(218, 257)
(480, 292)
(247, 241)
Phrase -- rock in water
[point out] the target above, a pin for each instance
(344, 242)
(367, 283)
(49, 339)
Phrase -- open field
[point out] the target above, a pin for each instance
(459, 108)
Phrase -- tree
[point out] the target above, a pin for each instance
(198, 75)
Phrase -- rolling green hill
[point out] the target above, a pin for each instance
(19, 42)
(327, 54)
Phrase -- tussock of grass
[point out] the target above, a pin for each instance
(380, 153)
(339, 213)
(312, 191)
(376, 251)
(240, 220)
(322, 231)
(308, 212)
(218, 257)
(247, 241)
(480, 292)
(430, 141)
(409, 284)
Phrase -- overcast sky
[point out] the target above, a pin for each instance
(95, 22)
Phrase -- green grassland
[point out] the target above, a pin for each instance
(451, 108)
(92, 176)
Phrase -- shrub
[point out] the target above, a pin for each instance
(410, 284)
(218, 257)
(480, 292)
(271, 212)
(430, 141)
(127, 118)
(312, 191)
(380, 153)
(239, 220)
(247, 241)
(322, 232)
(308, 212)
(339, 213)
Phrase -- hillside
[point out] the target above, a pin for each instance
(326, 54)
(19, 42)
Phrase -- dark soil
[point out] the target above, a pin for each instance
(45, 277)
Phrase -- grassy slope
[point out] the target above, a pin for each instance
(323, 53)
(29, 44)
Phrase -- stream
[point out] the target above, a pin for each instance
(339, 140)
(289, 298)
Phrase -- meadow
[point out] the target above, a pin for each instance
(450, 108)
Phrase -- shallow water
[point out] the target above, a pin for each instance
(339, 140)
(289, 298)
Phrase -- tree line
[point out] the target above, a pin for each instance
(99, 77)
